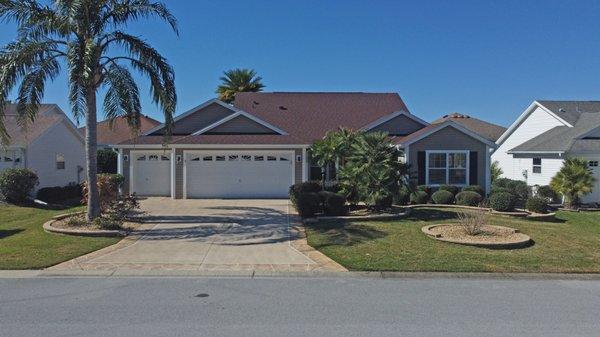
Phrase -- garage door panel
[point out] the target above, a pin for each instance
(238, 175)
(151, 174)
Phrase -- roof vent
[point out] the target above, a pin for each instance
(281, 107)
(456, 115)
(562, 110)
(255, 102)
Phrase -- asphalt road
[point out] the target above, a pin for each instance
(297, 307)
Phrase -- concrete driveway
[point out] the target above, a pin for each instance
(200, 234)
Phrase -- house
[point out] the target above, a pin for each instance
(119, 131)
(258, 146)
(535, 145)
(51, 146)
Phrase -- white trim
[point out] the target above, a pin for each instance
(467, 168)
(391, 116)
(159, 147)
(524, 116)
(237, 114)
(455, 125)
(304, 165)
(173, 168)
(533, 152)
(488, 171)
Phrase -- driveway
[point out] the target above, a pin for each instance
(201, 234)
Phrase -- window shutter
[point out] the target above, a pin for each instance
(473, 180)
(421, 167)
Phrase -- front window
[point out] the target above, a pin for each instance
(60, 161)
(447, 168)
(537, 165)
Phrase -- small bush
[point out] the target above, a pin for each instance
(502, 202)
(304, 187)
(450, 188)
(108, 223)
(546, 192)
(443, 197)
(500, 190)
(58, 194)
(307, 204)
(402, 197)
(424, 188)
(419, 197)
(16, 184)
(108, 188)
(537, 205)
(323, 195)
(382, 202)
(472, 222)
(517, 188)
(468, 198)
(335, 205)
(474, 188)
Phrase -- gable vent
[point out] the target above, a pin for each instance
(281, 107)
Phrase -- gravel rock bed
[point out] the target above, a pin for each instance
(491, 236)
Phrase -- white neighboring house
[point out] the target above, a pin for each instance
(535, 145)
(51, 146)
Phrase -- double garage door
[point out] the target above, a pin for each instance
(238, 174)
(215, 174)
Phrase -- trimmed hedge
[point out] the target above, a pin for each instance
(424, 188)
(474, 188)
(305, 187)
(468, 198)
(502, 202)
(307, 204)
(58, 194)
(106, 161)
(517, 188)
(335, 205)
(419, 197)
(450, 188)
(443, 197)
(16, 184)
(500, 190)
(537, 205)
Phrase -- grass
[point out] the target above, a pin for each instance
(569, 244)
(25, 245)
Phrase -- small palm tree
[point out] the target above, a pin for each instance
(573, 181)
(496, 170)
(332, 149)
(88, 37)
(238, 80)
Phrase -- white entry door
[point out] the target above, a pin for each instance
(238, 174)
(151, 173)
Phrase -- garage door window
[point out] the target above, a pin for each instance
(165, 158)
(220, 158)
(153, 157)
(271, 158)
(233, 157)
(259, 158)
(246, 158)
(141, 158)
(206, 158)
(283, 159)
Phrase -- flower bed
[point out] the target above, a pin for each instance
(60, 224)
(497, 237)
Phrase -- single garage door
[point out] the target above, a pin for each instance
(151, 173)
(238, 174)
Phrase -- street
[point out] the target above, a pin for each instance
(171, 306)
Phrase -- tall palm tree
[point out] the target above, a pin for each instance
(238, 80)
(88, 36)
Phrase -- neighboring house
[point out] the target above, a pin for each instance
(119, 131)
(51, 146)
(535, 145)
(258, 146)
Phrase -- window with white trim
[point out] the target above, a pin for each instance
(60, 161)
(537, 165)
(447, 168)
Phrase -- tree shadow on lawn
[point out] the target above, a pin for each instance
(420, 214)
(347, 233)
(4, 233)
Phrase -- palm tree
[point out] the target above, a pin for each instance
(88, 37)
(573, 181)
(238, 80)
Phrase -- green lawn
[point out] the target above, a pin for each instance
(25, 245)
(570, 244)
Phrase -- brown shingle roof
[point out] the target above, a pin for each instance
(43, 121)
(120, 131)
(485, 129)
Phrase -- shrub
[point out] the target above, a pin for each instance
(323, 195)
(335, 204)
(108, 188)
(402, 197)
(472, 222)
(468, 198)
(424, 188)
(475, 188)
(419, 197)
(537, 205)
(16, 184)
(545, 191)
(442, 197)
(500, 190)
(58, 194)
(502, 202)
(517, 188)
(383, 201)
(450, 188)
(107, 161)
(304, 187)
(307, 204)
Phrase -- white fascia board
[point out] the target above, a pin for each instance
(534, 152)
(237, 114)
(453, 125)
(524, 116)
(191, 111)
(392, 116)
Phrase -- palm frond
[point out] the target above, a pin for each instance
(122, 96)
(125, 11)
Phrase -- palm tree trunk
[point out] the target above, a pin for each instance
(93, 198)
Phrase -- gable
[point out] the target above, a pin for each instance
(240, 125)
(198, 119)
(399, 126)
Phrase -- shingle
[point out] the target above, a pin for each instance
(120, 131)
(570, 111)
(482, 128)
(43, 121)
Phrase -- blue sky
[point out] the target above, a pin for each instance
(489, 59)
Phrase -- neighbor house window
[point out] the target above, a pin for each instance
(60, 161)
(537, 165)
(447, 168)
(593, 163)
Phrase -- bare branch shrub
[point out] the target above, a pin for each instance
(472, 222)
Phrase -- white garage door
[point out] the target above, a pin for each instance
(594, 165)
(151, 173)
(229, 174)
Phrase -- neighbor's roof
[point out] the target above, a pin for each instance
(570, 110)
(483, 128)
(120, 130)
(24, 136)
(564, 138)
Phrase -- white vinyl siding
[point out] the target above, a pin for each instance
(538, 122)
(550, 166)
